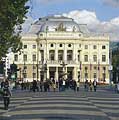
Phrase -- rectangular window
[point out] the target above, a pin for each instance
(86, 46)
(94, 47)
(25, 46)
(42, 55)
(25, 57)
(69, 55)
(34, 57)
(95, 58)
(103, 58)
(34, 46)
(95, 75)
(15, 57)
(60, 55)
(86, 58)
(34, 75)
(103, 47)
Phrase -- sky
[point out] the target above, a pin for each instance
(101, 16)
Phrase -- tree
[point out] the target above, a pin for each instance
(115, 62)
(12, 14)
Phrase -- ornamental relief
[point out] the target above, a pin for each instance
(60, 28)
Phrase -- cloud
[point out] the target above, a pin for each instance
(94, 24)
(90, 18)
(114, 3)
(26, 25)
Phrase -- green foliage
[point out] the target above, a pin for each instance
(12, 14)
(115, 62)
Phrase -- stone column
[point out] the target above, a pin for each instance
(65, 53)
(48, 72)
(56, 74)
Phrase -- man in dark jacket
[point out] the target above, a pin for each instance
(6, 94)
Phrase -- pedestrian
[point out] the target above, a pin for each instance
(90, 85)
(54, 85)
(118, 87)
(86, 85)
(77, 85)
(6, 94)
(63, 85)
(95, 85)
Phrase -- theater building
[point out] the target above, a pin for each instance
(57, 47)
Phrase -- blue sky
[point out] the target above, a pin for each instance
(101, 16)
(104, 10)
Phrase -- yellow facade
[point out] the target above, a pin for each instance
(84, 56)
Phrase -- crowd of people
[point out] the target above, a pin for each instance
(48, 85)
(53, 85)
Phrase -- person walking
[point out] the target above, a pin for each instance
(90, 85)
(77, 85)
(95, 85)
(6, 94)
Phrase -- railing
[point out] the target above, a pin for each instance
(60, 62)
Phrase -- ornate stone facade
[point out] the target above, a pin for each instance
(57, 46)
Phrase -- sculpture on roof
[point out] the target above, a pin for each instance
(60, 28)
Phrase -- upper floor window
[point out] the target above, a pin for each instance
(103, 47)
(86, 58)
(25, 57)
(51, 45)
(34, 46)
(60, 45)
(34, 57)
(60, 55)
(42, 55)
(103, 58)
(86, 46)
(40, 45)
(86, 68)
(25, 46)
(95, 68)
(52, 54)
(95, 58)
(69, 55)
(69, 45)
(15, 57)
(79, 45)
(94, 47)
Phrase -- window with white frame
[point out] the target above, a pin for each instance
(25, 57)
(86, 46)
(34, 46)
(34, 57)
(103, 58)
(95, 58)
(85, 58)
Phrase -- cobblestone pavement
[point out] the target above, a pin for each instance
(68, 105)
